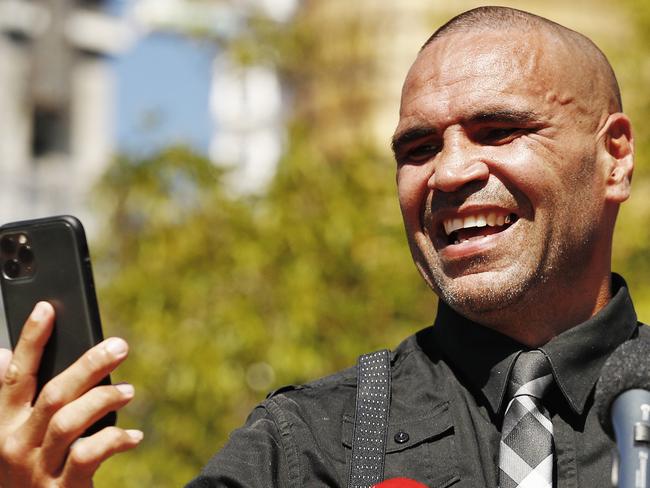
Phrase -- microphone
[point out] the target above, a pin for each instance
(622, 401)
(399, 483)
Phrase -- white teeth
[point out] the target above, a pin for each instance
(457, 224)
(478, 220)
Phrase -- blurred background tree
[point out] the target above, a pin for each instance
(225, 296)
(631, 59)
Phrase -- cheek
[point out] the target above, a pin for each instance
(559, 188)
(412, 190)
(532, 173)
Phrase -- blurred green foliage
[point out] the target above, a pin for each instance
(223, 298)
(631, 59)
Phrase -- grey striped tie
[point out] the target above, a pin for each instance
(526, 451)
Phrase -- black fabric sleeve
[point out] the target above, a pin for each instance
(259, 454)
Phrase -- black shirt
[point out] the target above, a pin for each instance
(447, 403)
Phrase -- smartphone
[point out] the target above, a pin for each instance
(48, 259)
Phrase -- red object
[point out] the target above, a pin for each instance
(400, 483)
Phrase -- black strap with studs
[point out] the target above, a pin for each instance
(370, 420)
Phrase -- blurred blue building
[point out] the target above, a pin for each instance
(55, 103)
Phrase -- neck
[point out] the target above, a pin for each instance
(543, 314)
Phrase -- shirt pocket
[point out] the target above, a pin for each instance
(421, 448)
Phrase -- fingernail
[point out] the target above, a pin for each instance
(116, 346)
(136, 435)
(40, 311)
(126, 389)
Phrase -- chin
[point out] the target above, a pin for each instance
(481, 293)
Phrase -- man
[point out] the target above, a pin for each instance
(513, 158)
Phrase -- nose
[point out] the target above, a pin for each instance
(458, 164)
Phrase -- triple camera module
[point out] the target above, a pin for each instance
(16, 256)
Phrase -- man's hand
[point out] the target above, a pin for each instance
(40, 444)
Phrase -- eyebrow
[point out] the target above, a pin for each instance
(511, 116)
(504, 116)
(410, 135)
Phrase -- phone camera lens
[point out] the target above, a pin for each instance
(8, 245)
(26, 255)
(12, 269)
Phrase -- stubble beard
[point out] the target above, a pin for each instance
(517, 289)
(486, 292)
(562, 257)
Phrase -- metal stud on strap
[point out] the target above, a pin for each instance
(370, 420)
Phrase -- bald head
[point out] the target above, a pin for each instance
(506, 113)
(585, 60)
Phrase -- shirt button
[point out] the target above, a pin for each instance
(401, 437)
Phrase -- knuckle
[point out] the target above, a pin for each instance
(12, 451)
(52, 397)
(113, 437)
(32, 336)
(115, 434)
(119, 439)
(60, 426)
(12, 374)
(94, 360)
(85, 455)
(29, 334)
(106, 395)
(80, 457)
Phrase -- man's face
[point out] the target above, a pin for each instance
(498, 180)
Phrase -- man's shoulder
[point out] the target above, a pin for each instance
(333, 386)
(346, 379)
(312, 424)
(335, 394)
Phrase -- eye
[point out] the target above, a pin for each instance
(499, 135)
(419, 154)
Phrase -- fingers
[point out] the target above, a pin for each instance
(72, 420)
(88, 453)
(84, 373)
(5, 359)
(39, 441)
(19, 379)
(66, 387)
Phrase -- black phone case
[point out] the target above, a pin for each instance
(62, 275)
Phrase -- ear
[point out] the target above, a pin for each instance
(618, 151)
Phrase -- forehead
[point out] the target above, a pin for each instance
(462, 71)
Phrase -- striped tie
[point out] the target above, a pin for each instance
(526, 452)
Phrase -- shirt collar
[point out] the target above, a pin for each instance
(483, 357)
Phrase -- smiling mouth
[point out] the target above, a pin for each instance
(462, 229)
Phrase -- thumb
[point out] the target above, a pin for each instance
(5, 359)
